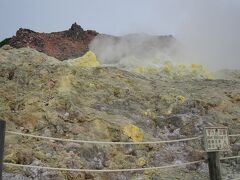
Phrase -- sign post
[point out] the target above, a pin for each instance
(215, 140)
(2, 138)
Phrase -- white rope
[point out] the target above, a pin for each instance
(113, 170)
(231, 157)
(234, 135)
(102, 142)
(103, 170)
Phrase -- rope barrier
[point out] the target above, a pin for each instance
(234, 135)
(102, 142)
(231, 157)
(107, 142)
(113, 170)
(103, 170)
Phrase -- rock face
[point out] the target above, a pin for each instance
(61, 45)
(73, 99)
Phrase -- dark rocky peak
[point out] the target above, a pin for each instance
(76, 28)
(75, 32)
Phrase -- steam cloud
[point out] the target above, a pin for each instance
(209, 35)
(133, 49)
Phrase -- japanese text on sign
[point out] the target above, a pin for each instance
(216, 139)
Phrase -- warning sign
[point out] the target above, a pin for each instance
(216, 139)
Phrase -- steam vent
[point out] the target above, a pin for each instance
(82, 85)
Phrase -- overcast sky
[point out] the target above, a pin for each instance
(196, 22)
(107, 16)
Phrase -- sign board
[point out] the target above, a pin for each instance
(216, 139)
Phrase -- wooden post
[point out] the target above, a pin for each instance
(214, 166)
(2, 138)
(215, 140)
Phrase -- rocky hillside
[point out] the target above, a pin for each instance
(80, 99)
(62, 45)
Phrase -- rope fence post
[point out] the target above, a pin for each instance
(2, 139)
(215, 139)
(214, 166)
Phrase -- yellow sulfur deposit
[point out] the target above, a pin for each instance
(11, 157)
(208, 75)
(180, 99)
(149, 114)
(91, 85)
(65, 84)
(141, 162)
(196, 66)
(181, 70)
(148, 70)
(89, 59)
(140, 69)
(176, 71)
(168, 67)
(135, 133)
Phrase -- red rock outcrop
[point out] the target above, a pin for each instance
(61, 45)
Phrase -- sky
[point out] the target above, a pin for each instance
(206, 25)
(114, 17)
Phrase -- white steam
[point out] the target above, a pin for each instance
(134, 49)
(209, 34)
